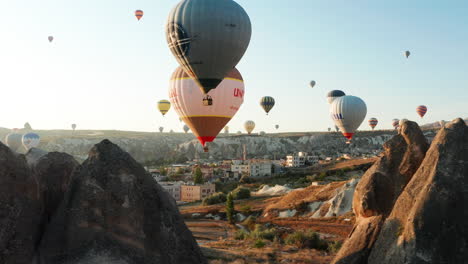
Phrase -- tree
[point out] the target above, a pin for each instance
(230, 209)
(198, 176)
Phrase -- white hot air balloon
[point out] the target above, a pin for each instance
(13, 140)
(348, 112)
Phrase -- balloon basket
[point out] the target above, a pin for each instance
(205, 149)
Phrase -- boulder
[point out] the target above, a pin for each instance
(20, 209)
(428, 222)
(379, 188)
(115, 211)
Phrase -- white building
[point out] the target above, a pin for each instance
(173, 189)
(260, 168)
(240, 168)
(300, 159)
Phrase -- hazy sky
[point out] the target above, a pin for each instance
(106, 70)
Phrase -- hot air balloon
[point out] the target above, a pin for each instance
(373, 122)
(337, 129)
(31, 140)
(348, 112)
(50, 38)
(407, 53)
(267, 103)
(395, 123)
(239, 132)
(208, 38)
(276, 126)
(73, 126)
(249, 126)
(421, 110)
(164, 106)
(329, 129)
(262, 133)
(206, 122)
(226, 130)
(161, 129)
(312, 84)
(13, 140)
(332, 95)
(139, 14)
(186, 129)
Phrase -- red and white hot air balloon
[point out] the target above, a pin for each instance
(373, 122)
(206, 121)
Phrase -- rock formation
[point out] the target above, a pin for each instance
(428, 222)
(114, 211)
(20, 209)
(409, 204)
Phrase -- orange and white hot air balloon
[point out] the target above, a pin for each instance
(139, 14)
(206, 121)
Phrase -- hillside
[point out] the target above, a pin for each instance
(151, 148)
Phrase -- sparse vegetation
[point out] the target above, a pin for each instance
(259, 243)
(306, 239)
(215, 199)
(241, 193)
(246, 209)
(230, 212)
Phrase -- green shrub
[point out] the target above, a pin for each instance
(259, 243)
(241, 234)
(215, 199)
(241, 193)
(307, 239)
(260, 233)
(321, 176)
(334, 246)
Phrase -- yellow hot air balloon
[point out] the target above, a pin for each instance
(249, 126)
(164, 106)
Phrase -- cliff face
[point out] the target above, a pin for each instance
(409, 205)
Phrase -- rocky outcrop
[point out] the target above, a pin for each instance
(409, 206)
(339, 204)
(20, 209)
(114, 211)
(379, 188)
(428, 222)
(53, 172)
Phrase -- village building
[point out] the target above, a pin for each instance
(190, 193)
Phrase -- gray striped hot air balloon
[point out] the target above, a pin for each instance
(13, 140)
(208, 38)
(348, 112)
(267, 103)
(186, 129)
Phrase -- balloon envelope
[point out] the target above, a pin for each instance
(164, 106)
(139, 14)
(348, 112)
(312, 84)
(206, 121)
(186, 129)
(249, 126)
(208, 38)
(161, 129)
(267, 103)
(407, 53)
(13, 141)
(332, 95)
(421, 110)
(50, 38)
(73, 126)
(31, 140)
(373, 122)
(276, 126)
